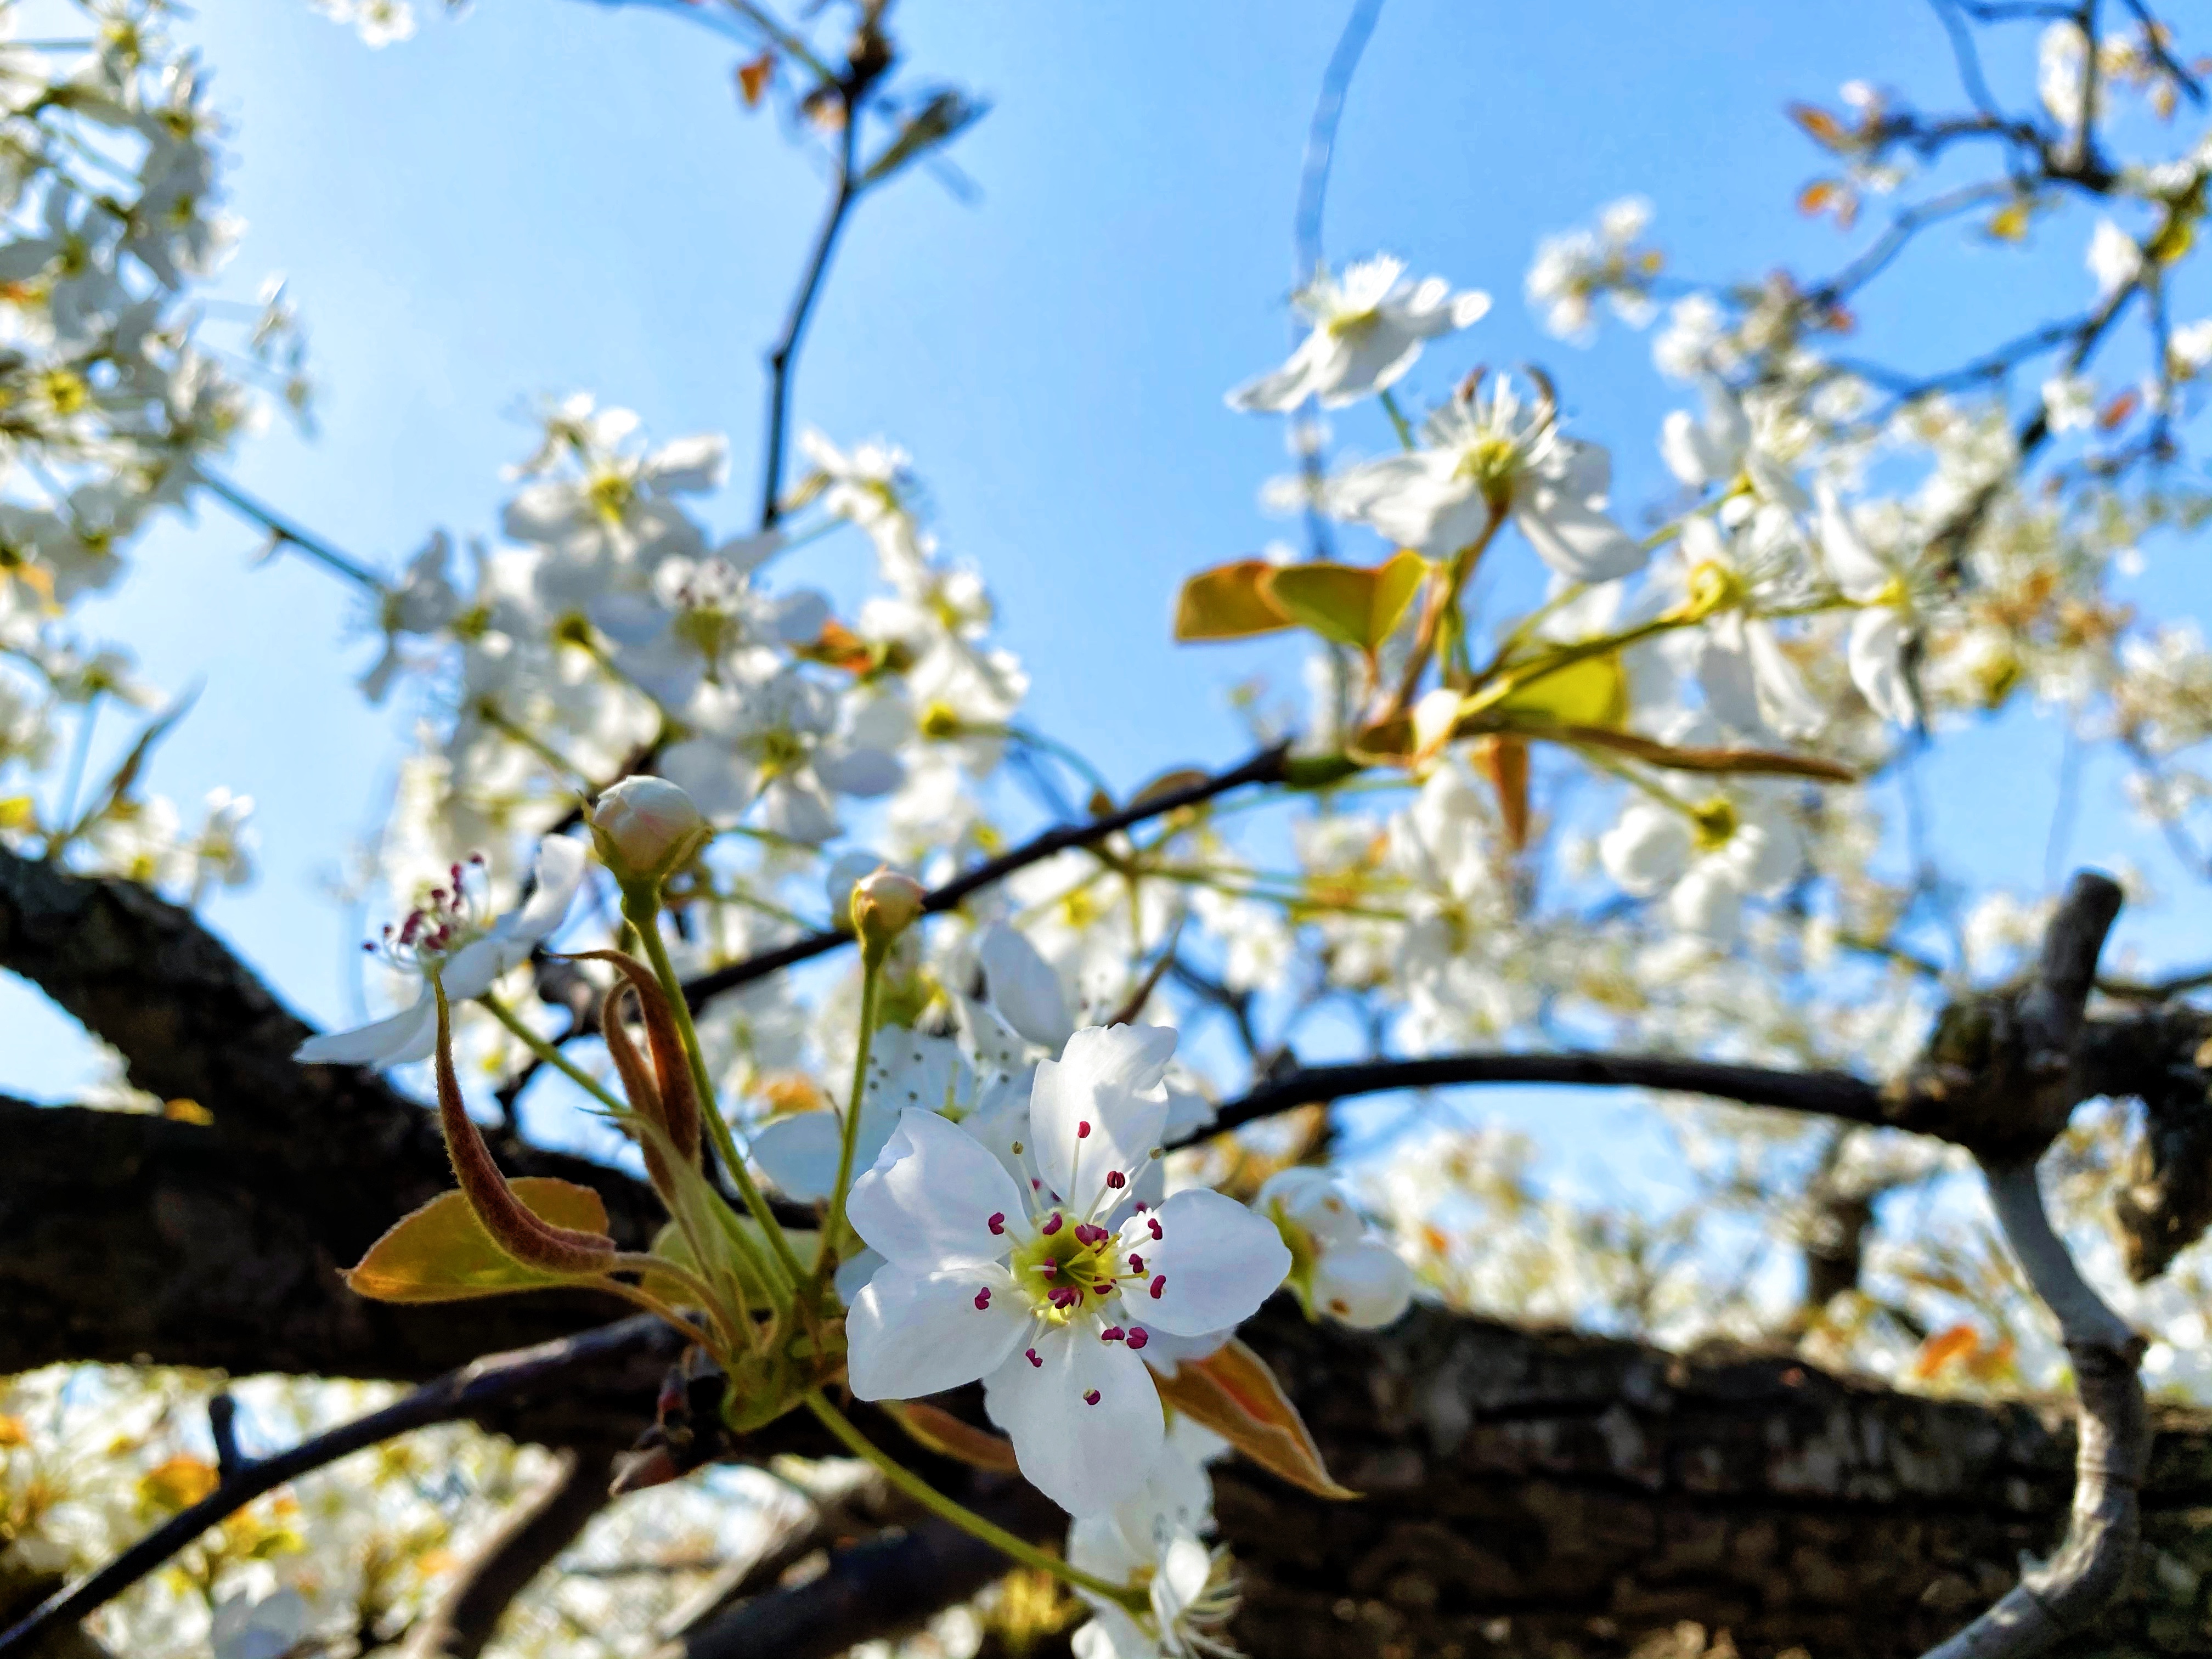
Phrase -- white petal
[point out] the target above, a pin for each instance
(911, 1334)
(1648, 850)
(1312, 1198)
(929, 1199)
(1788, 706)
(799, 1154)
(866, 773)
(1365, 1285)
(1579, 542)
(1707, 902)
(1688, 452)
(1099, 1109)
(794, 805)
(1856, 571)
(689, 465)
(1286, 387)
(556, 875)
(1022, 986)
(408, 1035)
(1877, 660)
(476, 967)
(1085, 1455)
(853, 1274)
(1726, 674)
(706, 771)
(1214, 1265)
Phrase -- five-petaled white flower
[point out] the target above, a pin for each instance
(1485, 454)
(1368, 326)
(1339, 1268)
(448, 936)
(1885, 624)
(1049, 1295)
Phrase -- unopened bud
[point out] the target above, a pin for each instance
(645, 827)
(885, 905)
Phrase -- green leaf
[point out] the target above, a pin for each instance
(1229, 602)
(1352, 604)
(441, 1253)
(1591, 692)
(939, 120)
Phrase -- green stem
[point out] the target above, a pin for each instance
(641, 908)
(872, 975)
(551, 1055)
(1405, 427)
(966, 1519)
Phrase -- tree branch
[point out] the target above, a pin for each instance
(540, 1528)
(1268, 766)
(463, 1394)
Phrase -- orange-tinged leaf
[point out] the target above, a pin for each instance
(181, 1110)
(440, 1253)
(1352, 604)
(1959, 1342)
(2010, 222)
(1236, 1395)
(1821, 126)
(941, 1432)
(1229, 602)
(840, 647)
(13, 1433)
(178, 1484)
(1753, 763)
(753, 78)
(2114, 413)
(1504, 761)
(1816, 197)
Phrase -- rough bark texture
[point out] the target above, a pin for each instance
(1532, 1492)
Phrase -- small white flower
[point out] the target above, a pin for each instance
(1339, 1268)
(468, 954)
(1489, 452)
(1368, 326)
(1033, 1291)
(2069, 402)
(2114, 259)
(1707, 856)
(777, 744)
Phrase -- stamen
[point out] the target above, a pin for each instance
(983, 1298)
(1139, 1336)
(998, 1222)
(1160, 1283)
(1091, 1398)
(1116, 1179)
(1030, 1354)
(1064, 1296)
(1136, 1264)
(1051, 1226)
(1112, 1333)
(1083, 1129)
(1154, 1222)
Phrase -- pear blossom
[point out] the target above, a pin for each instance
(1486, 454)
(2114, 259)
(1884, 625)
(799, 1153)
(1730, 447)
(1707, 856)
(468, 954)
(777, 743)
(1368, 326)
(1339, 1267)
(1571, 270)
(1748, 680)
(1050, 1290)
(2069, 402)
(1151, 1541)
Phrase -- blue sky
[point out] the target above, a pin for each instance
(550, 195)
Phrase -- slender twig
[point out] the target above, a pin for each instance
(447, 1399)
(784, 354)
(286, 532)
(1268, 766)
(1306, 253)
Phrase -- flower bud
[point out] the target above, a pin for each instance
(885, 905)
(645, 827)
